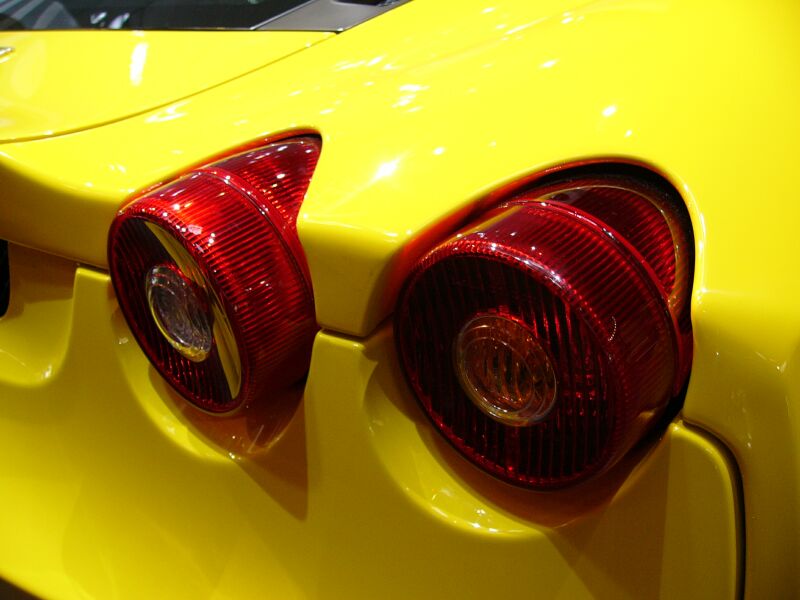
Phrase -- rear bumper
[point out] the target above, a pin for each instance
(111, 490)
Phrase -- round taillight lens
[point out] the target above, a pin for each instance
(540, 341)
(210, 276)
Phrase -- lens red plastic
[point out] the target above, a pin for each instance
(652, 221)
(596, 307)
(230, 228)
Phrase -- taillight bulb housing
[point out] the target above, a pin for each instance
(179, 312)
(211, 278)
(540, 341)
(504, 370)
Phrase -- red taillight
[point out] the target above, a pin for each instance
(544, 341)
(210, 276)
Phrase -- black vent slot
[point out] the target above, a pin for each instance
(5, 278)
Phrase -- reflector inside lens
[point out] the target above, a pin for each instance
(180, 315)
(504, 370)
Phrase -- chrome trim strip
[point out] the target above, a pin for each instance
(327, 15)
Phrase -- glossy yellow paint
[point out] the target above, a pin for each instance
(116, 495)
(56, 82)
(423, 112)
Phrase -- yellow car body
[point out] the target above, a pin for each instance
(111, 488)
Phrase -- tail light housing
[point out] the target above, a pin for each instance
(211, 278)
(548, 337)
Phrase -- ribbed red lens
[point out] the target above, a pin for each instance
(540, 341)
(652, 221)
(210, 276)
